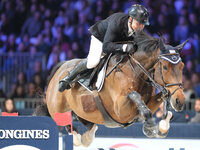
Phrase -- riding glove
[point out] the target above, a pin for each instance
(129, 48)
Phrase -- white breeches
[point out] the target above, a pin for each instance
(95, 52)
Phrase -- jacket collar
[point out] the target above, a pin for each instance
(130, 31)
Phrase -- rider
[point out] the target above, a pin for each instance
(116, 28)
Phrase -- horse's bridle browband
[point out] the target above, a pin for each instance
(163, 89)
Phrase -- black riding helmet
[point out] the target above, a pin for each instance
(139, 13)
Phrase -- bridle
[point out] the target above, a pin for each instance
(163, 89)
(161, 74)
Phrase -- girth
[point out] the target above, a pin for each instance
(108, 120)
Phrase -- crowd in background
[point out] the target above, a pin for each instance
(58, 29)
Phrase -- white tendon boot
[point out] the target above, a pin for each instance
(164, 124)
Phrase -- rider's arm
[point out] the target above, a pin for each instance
(108, 43)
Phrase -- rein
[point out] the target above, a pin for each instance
(121, 59)
(163, 89)
(165, 92)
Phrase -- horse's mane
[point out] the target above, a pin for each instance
(145, 42)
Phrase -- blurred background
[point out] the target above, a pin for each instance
(37, 34)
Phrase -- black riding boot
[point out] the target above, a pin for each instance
(66, 82)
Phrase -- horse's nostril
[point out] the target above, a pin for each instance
(177, 101)
(178, 104)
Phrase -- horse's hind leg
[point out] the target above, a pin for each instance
(149, 126)
(76, 135)
(87, 138)
(89, 135)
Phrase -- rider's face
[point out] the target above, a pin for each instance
(136, 25)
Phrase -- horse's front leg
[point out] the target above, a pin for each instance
(164, 124)
(149, 125)
(150, 129)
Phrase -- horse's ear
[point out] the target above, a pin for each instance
(161, 44)
(180, 47)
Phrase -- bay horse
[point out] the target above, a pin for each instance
(129, 92)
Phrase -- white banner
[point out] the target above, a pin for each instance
(142, 144)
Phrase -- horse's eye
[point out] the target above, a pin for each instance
(165, 67)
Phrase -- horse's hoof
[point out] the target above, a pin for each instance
(149, 128)
(149, 131)
(161, 135)
(76, 139)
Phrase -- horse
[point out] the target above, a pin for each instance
(132, 91)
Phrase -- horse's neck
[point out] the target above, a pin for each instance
(134, 73)
(147, 60)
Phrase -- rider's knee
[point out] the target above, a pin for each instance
(92, 63)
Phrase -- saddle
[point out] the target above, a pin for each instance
(94, 78)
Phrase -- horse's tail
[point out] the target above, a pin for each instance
(39, 93)
(42, 110)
